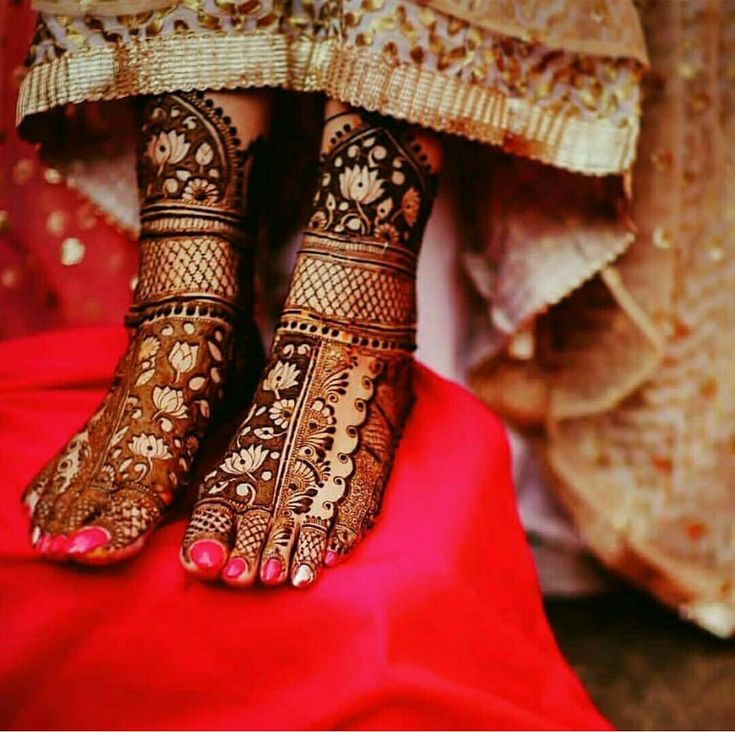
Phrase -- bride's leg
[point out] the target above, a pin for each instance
(307, 469)
(190, 324)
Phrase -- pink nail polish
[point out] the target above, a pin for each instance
(207, 554)
(331, 558)
(87, 539)
(272, 571)
(44, 543)
(235, 568)
(58, 545)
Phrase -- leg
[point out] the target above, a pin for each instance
(307, 469)
(99, 499)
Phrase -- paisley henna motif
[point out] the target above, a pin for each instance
(112, 482)
(315, 451)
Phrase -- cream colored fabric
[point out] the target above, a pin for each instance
(637, 366)
(608, 28)
(601, 28)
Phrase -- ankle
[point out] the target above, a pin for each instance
(193, 171)
(355, 275)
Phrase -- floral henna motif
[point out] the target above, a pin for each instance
(374, 183)
(306, 471)
(109, 487)
(282, 460)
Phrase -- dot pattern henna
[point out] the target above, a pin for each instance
(122, 470)
(315, 452)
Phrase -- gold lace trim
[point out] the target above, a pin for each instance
(353, 75)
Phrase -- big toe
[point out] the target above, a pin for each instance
(118, 531)
(206, 543)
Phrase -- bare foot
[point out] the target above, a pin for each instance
(98, 500)
(303, 478)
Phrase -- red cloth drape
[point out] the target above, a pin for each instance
(435, 622)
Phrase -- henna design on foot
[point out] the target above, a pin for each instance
(98, 500)
(313, 455)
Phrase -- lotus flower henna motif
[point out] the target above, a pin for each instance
(360, 184)
(246, 460)
(149, 447)
(169, 147)
(183, 357)
(169, 401)
(283, 375)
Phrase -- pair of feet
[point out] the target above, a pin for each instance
(303, 477)
(297, 487)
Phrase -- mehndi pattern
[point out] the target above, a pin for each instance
(306, 470)
(115, 478)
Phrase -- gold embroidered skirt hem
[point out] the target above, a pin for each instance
(356, 75)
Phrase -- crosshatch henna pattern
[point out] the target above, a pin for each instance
(98, 499)
(302, 479)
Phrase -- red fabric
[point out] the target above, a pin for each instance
(435, 621)
(40, 287)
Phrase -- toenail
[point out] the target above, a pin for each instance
(272, 571)
(86, 539)
(304, 576)
(58, 545)
(44, 543)
(207, 554)
(235, 568)
(331, 558)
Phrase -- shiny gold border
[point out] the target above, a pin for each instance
(353, 75)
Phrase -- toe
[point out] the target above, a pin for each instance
(32, 495)
(86, 540)
(57, 548)
(75, 508)
(237, 572)
(39, 486)
(208, 555)
(341, 542)
(117, 530)
(309, 555)
(44, 543)
(207, 540)
(44, 512)
(242, 565)
(78, 509)
(277, 552)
